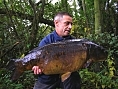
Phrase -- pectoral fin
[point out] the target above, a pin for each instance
(65, 76)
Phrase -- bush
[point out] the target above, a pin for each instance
(92, 80)
(26, 81)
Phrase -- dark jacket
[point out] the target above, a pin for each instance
(51, 38)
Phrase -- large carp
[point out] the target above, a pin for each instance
(60, 57)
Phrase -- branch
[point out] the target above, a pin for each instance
(9, 15)
(9, 49)
(26, 16)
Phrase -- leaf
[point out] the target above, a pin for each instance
(22, 55)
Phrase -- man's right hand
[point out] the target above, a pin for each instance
(36, 70)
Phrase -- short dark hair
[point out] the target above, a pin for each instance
(60, 14)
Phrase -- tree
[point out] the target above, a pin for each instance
(97, 16)
(23, 23)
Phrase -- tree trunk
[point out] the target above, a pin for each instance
(86, 16)
(97, 17)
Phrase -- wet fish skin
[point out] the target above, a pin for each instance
(60, 57)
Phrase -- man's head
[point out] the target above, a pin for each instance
(63, 23)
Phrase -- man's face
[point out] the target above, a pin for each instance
(64, 25)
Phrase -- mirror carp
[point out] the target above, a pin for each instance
(60, 57)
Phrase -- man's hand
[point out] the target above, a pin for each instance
(36, 70)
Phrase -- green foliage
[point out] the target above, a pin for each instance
(92, 80)
(17, 28)
(6, 83)
(106, 77)
(107, 40)
(24, 82)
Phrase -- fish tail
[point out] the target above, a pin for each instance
(11, 65)
(16, 72)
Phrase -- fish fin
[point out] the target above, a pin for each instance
(65, 76)
(87, 64)
(34, 50)
(16, 74)
(16, 71)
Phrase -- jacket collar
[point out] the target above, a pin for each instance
(61, 38)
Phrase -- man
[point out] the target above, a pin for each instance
(63, 25)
